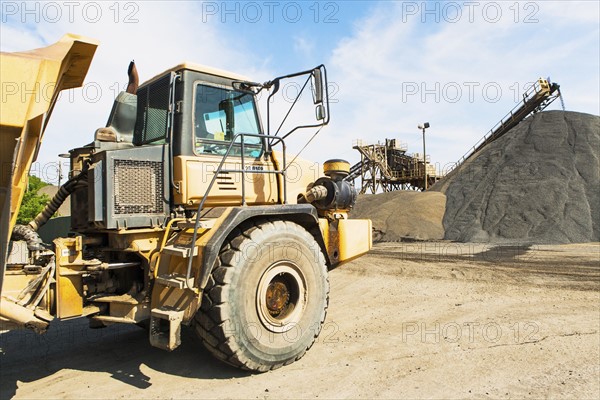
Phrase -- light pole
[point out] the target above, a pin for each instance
(423, 127)
(60, 174)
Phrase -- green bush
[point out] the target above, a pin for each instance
(33, 203)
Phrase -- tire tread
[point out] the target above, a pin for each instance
(212, 319)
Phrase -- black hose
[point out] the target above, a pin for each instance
(26, 233)
(54, 204)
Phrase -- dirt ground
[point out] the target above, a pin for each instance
(409, 320)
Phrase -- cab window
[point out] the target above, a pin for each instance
(219, 115)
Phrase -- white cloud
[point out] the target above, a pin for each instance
(385, 57)
(371, 70)
(165, 34)
(304, 47)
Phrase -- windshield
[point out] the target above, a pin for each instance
(219, 115)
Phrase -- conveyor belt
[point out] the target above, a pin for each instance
(539, 96)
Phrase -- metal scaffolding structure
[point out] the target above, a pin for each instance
(385, 167)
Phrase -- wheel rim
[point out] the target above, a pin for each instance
(281, 296)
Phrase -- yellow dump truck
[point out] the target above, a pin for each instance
(182, 211)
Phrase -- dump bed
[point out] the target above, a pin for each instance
(31, 82)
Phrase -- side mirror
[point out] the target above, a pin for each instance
(317, 86)
(320, 112)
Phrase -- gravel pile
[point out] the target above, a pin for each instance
(403, 215)
(539, 183)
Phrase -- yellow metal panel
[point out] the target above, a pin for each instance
(346, 239)
(324, 226)
(15, 281)
(194, 173)
(355, 238)
(31, 82)
(300, 174)
(69, 288)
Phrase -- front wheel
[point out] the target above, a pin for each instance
(267, 297)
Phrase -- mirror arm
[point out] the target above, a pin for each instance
(275, 82)
(293, 105)
(309, 71)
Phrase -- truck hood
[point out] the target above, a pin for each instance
(31, 82)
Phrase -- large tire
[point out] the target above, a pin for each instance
(267, 297)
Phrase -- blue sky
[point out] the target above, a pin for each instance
(392, 65)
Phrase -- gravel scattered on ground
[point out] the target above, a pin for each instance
(415, 320)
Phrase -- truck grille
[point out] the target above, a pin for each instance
(138, 187)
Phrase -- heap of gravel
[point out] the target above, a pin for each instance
(539, 183)
(403, 215)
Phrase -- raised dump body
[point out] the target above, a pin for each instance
(31, 83)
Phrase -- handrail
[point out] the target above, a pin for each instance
(163, 242)
(282, 172)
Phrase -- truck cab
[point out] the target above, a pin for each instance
(162, 146)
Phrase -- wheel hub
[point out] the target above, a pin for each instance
(277, 297)
(281, 296)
